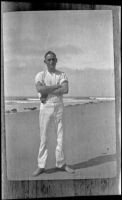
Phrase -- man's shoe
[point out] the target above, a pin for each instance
(38, 171)
(66, 168)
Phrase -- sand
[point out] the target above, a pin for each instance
(90, 143)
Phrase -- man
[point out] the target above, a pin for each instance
(51, 85)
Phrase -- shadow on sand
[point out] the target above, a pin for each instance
(91, 162)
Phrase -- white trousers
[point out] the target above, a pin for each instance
(46, 111)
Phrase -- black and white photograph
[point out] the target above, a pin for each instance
(59, 95)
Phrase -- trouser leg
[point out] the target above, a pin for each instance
(60, 160)
(44, 118)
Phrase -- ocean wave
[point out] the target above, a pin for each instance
(66, 101)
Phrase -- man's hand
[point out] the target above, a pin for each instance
(63, 89)
(43, 98)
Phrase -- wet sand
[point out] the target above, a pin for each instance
(89, 137)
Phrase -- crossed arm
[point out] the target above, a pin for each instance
(54, 89)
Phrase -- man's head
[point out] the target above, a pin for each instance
(50, 60)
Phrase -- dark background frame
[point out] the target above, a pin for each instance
(63, 188)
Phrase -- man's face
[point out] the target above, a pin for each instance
(51, 61)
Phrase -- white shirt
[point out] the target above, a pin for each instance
(47, 78)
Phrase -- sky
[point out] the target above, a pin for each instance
(81, 39)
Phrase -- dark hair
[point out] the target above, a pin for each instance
(50, 52)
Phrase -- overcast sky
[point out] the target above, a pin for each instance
(81, 39)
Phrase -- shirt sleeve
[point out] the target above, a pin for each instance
(63, 78)
(39, 78)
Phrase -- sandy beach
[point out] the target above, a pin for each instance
(90, 143)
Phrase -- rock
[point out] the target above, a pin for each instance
(7, 111)
(14, 110)
(34, 108)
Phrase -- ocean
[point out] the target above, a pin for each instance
(20, 104)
